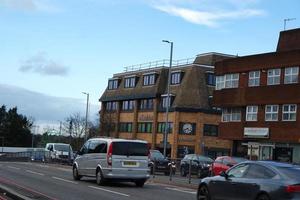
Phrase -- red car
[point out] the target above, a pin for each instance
(223, 163)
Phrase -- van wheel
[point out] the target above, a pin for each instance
(99, 177)
(263, 197)
(140, 183)
(76, 176)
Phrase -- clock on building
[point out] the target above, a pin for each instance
(187, 128)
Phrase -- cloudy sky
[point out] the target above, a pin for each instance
(53, 50)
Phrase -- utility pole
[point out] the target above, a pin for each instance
(286, 20)
(86, 115)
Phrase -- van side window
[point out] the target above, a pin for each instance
(97, 147)
(84, 148)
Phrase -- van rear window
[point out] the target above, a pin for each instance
(130, 149)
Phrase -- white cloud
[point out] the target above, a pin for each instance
(29, 5)
(207, 12)
(40, 64)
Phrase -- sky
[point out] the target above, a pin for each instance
(53, 50)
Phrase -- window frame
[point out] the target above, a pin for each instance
(253, 79)
(125, 127)
(128, 105)
(291, 75)
(149, 79)
(130, 82)
(111, 106)
(289, 112)
(231, 81)
(251, 111)
(146, 105)
(273, 76)
(145, 127)
(271, 112)
(113, 84)
(161, 127)
(231, 112)
(208, 130)
(175, 78)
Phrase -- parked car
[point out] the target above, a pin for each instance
(159, 163)
(253, 180)
(59, 152)
(223, 163)
(199, 165)
(38, 154)
(113, 159)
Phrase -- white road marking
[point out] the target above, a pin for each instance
(32, 172)
(11, 167)
(180, 190)
(99, 188)
(65, 180)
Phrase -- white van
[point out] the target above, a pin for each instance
(59, 152)
(113, 159)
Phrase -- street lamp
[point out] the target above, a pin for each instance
(168, 100)
(86, 114)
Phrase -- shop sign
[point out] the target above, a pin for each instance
(256, 132)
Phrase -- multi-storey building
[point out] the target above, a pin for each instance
(260, 96)
(135, 101)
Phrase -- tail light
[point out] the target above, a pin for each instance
(109, 154)
(293, 188)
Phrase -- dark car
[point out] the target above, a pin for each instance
(253, 180)
(223, 163)
(158, 163)
(199, 165)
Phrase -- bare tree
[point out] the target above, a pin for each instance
(108, 124)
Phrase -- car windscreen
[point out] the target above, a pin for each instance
(130, 149)
(157, 155)
(205, 159)
(239, 160)
(62, 147)
(290, 172)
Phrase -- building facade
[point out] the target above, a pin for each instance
(134, 107)
(260, 100)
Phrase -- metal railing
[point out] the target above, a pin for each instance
(159, 63)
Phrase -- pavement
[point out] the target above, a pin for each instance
(50, 182)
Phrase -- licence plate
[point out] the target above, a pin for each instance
(130, 164)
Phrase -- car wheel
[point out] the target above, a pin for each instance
(140, 183)
(99, 177)
(182, 172)
(263, 197)
(203, 193)
(76, 176)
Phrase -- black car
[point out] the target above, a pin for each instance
(158, 163)
(199, 165)
(253, 180)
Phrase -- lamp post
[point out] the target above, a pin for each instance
(86, 114)
(168, 99)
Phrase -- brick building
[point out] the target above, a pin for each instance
(134, 104)
(260, 96)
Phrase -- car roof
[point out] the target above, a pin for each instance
(116, 140)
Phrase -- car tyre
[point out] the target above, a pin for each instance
(76, 176)
(140, 183)
(182, 171)
(203, 193)
(263, 197)
(99, 177)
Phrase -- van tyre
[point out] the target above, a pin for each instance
(76, 176)
(140, 183)
(99, 177)
(263, 197)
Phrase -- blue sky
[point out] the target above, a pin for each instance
(59, 48)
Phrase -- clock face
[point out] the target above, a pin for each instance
(187, 128)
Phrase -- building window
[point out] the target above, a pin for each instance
(130, 82)
(210, 79)
(273, 76)
(113, 84)
(187, 128)
(251, 113)
(149, 79)
(161, 127)
(125, 127)
(175, 78)
(231, 115)
(254, 78)
(289, 112)
(271, 112)
(291, 75)
(220, 82)
(231, 80)
(210, 130)
(146, 104)
(145, 127)
(111, 105)
(165, 103)
(128, 105)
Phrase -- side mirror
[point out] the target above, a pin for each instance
(224, 174)
(51, 148)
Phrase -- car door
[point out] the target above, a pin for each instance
(81, 159)
(96, 155)
(224, 188)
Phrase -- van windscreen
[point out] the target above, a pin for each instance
(130, 149)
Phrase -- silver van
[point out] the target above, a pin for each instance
(113, 159)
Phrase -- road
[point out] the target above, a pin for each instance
(51, 182)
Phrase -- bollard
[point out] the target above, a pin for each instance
(190, 171)
(171, 171)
